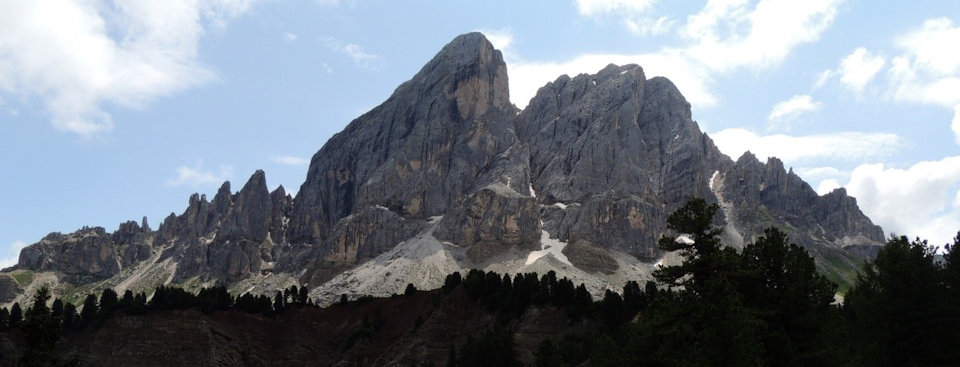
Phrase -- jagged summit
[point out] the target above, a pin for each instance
(453, 116)
(447, 175)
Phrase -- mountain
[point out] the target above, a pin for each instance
(446, 175)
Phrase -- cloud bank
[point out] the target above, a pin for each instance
(95, 53)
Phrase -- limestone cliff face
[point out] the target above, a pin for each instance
(89, 253)
(622, 147)
(419, 152)
(493, 216)
(595, 163)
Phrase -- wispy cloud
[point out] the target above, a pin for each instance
(290, 37)
(726, 35)
(601, 7)
(355, 52)
(197, 176)
(291, 160)
(105, 52)
(793, 107)
(826, 178)
(720, 38)
(635, 15)
(526, 77)
(859, 68)
(843, 146)
(12, 254)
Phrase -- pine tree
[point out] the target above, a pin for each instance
(41, 332)
(89, 310)
(547, 355)
(16, 315)
(70, 317)
(410, 290)
(896, 308)
(697, 240)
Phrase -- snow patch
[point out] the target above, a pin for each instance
(532, 193)
(548, 247)
(712, 178)
(381, 207)
(684, 239)
(560, 205)
(594, 82)
(624, 72)
(734, 235)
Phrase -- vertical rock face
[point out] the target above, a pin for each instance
(417, 153)
(494, 215)
(621, 146)
(249, 217)
(596, 162)
(88, 254)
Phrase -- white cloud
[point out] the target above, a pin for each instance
(649, 26)
(12, 255)
(355, 52)
(843, 146)
(723, 37)
(955, 125)
(859, 68)
(819, 172)
(633, 14)
(793, 107)
(822, 78)
(916, 201)
(291, 160)
(826, 178)
(501, 39)
(78, 55)
(196, 176)
(729, 34)
(290, 37)
(527, 77)
(931, 46)
(602, 7)
(827, 185)
(928, 70)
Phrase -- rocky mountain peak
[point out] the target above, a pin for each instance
(472, 71)
(418, 152)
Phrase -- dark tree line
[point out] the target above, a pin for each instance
(767, 305)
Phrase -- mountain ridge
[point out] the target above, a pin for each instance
(447, 169)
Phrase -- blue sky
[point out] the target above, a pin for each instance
(114, 110)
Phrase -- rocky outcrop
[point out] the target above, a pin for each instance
(249, 216)
(9, 288)
(769, 195)
(494, 215)
(281, 205)
(89, 253)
